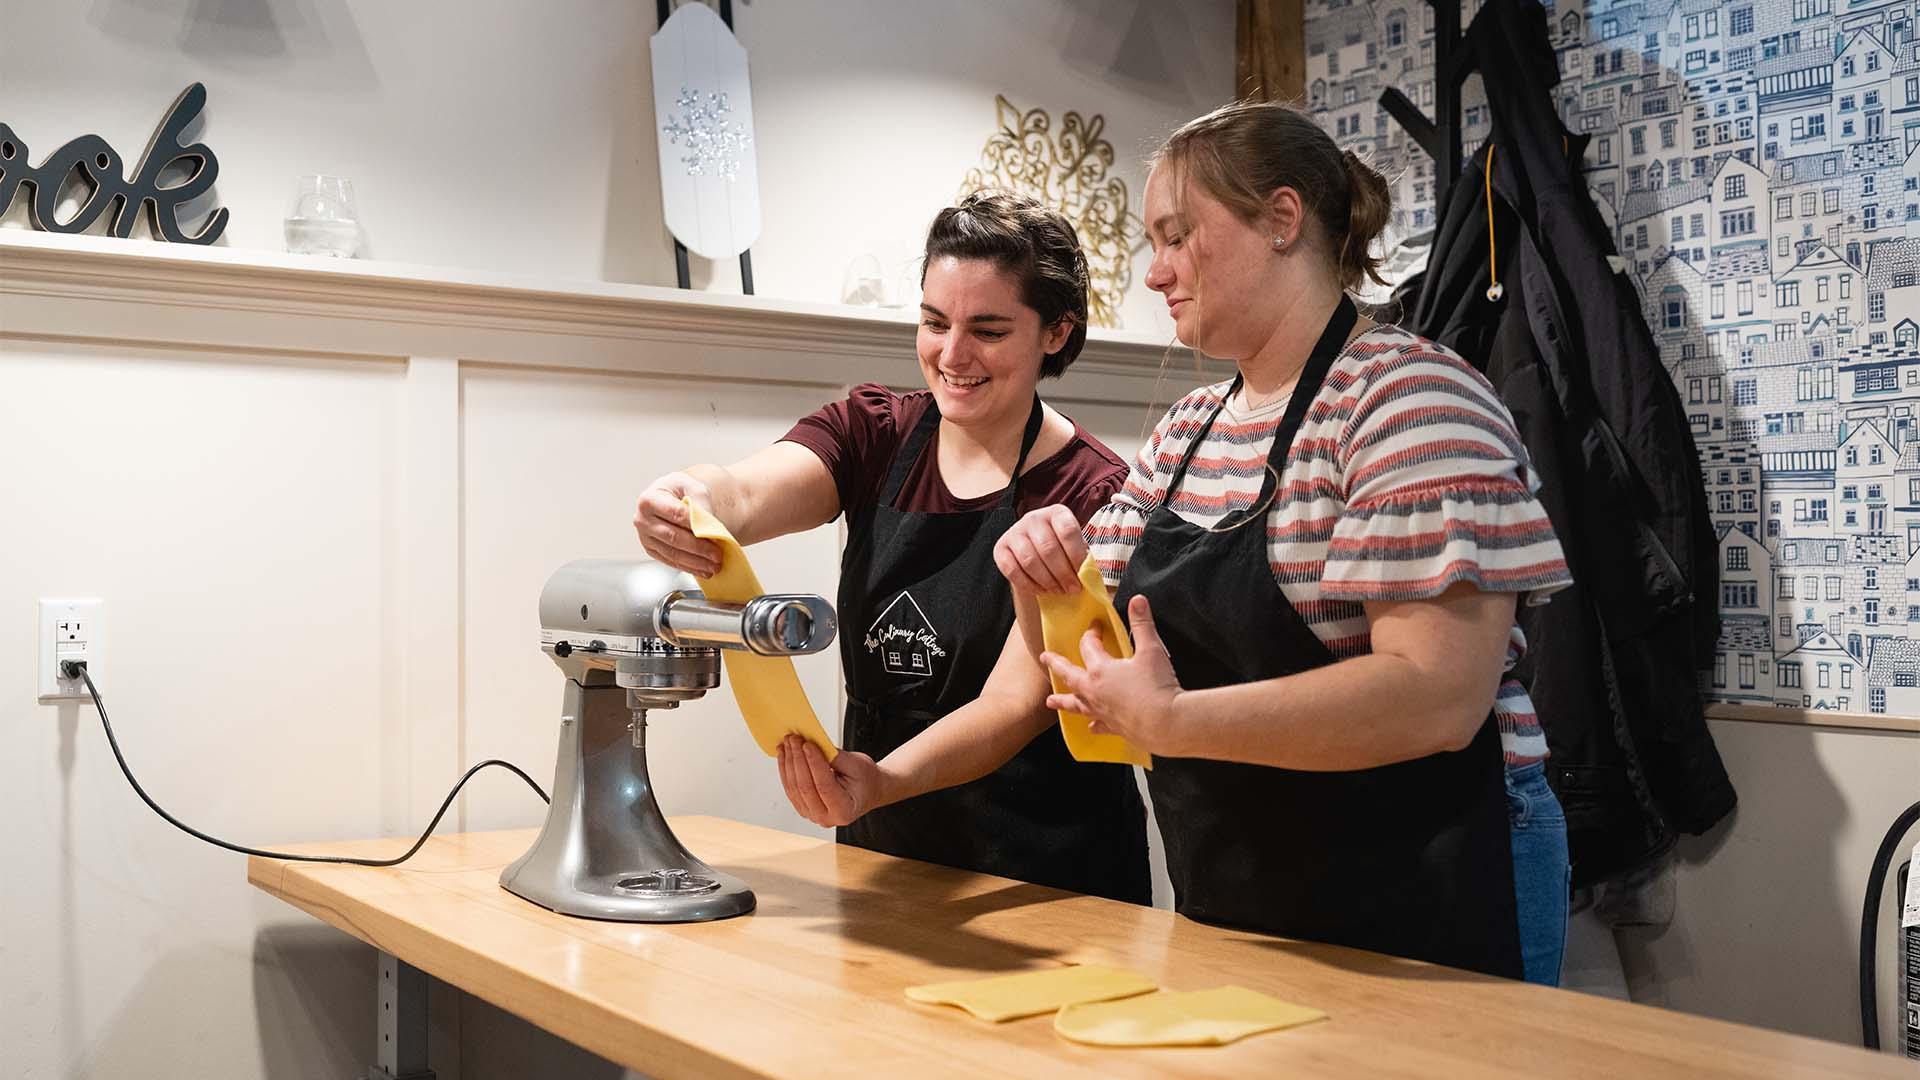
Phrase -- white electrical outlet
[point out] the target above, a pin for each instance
(69, 630)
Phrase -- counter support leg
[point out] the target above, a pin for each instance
(402, 1029)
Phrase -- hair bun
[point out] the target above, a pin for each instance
(1369, 207)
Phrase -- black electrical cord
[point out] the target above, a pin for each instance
(70, 669)
(1870, 925)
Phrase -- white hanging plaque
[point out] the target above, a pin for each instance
(703, 124)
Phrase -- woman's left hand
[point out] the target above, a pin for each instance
(1131, 698)
(827, 793)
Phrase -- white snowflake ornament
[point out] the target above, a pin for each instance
(703, 115)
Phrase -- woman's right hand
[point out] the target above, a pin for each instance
(827, 793)
(665, 531)
(1042, 552)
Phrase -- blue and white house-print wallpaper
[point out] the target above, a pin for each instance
(1756, 160)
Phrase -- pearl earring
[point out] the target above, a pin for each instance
(1279, 242)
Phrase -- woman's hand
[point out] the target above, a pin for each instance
(664, 529)
(827, 793)
(1042, 552)
(1131, 698)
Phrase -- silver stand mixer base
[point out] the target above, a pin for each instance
(605, 851)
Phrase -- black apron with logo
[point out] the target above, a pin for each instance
(924, 614)
(1411, 859)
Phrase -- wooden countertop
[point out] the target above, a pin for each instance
(811, 983)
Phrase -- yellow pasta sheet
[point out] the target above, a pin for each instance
(1190, 1018)
(1064, 620)
(766, 688)
(1030, 993)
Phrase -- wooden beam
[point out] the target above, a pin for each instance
(1270, 45)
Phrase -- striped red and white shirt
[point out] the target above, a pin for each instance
(1407, 476)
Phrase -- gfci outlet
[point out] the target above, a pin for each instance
(69, 630)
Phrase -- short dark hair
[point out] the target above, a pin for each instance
(1035, 244)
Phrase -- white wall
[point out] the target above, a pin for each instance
(1767, 926)
(239, 515)
(515, 136)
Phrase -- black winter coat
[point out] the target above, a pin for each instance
(1613, 661)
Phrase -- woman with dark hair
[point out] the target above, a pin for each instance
(1319, 561)
(929, 481)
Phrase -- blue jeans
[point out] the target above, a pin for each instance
(1542, 875)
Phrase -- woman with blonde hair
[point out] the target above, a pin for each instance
(1320, 561)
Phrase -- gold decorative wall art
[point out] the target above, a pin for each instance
(1068, 170)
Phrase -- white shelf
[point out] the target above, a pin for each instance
(55, 285)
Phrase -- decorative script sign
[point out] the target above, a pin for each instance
(1067, 170)
(96, 165)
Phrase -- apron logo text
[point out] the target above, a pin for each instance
(904, 638)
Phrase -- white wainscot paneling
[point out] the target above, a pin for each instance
(238, 513)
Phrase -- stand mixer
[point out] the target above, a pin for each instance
(633, 635)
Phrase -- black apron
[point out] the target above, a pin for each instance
(924, 613)
(1411, 859)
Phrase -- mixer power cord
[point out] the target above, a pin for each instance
(78, 669)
